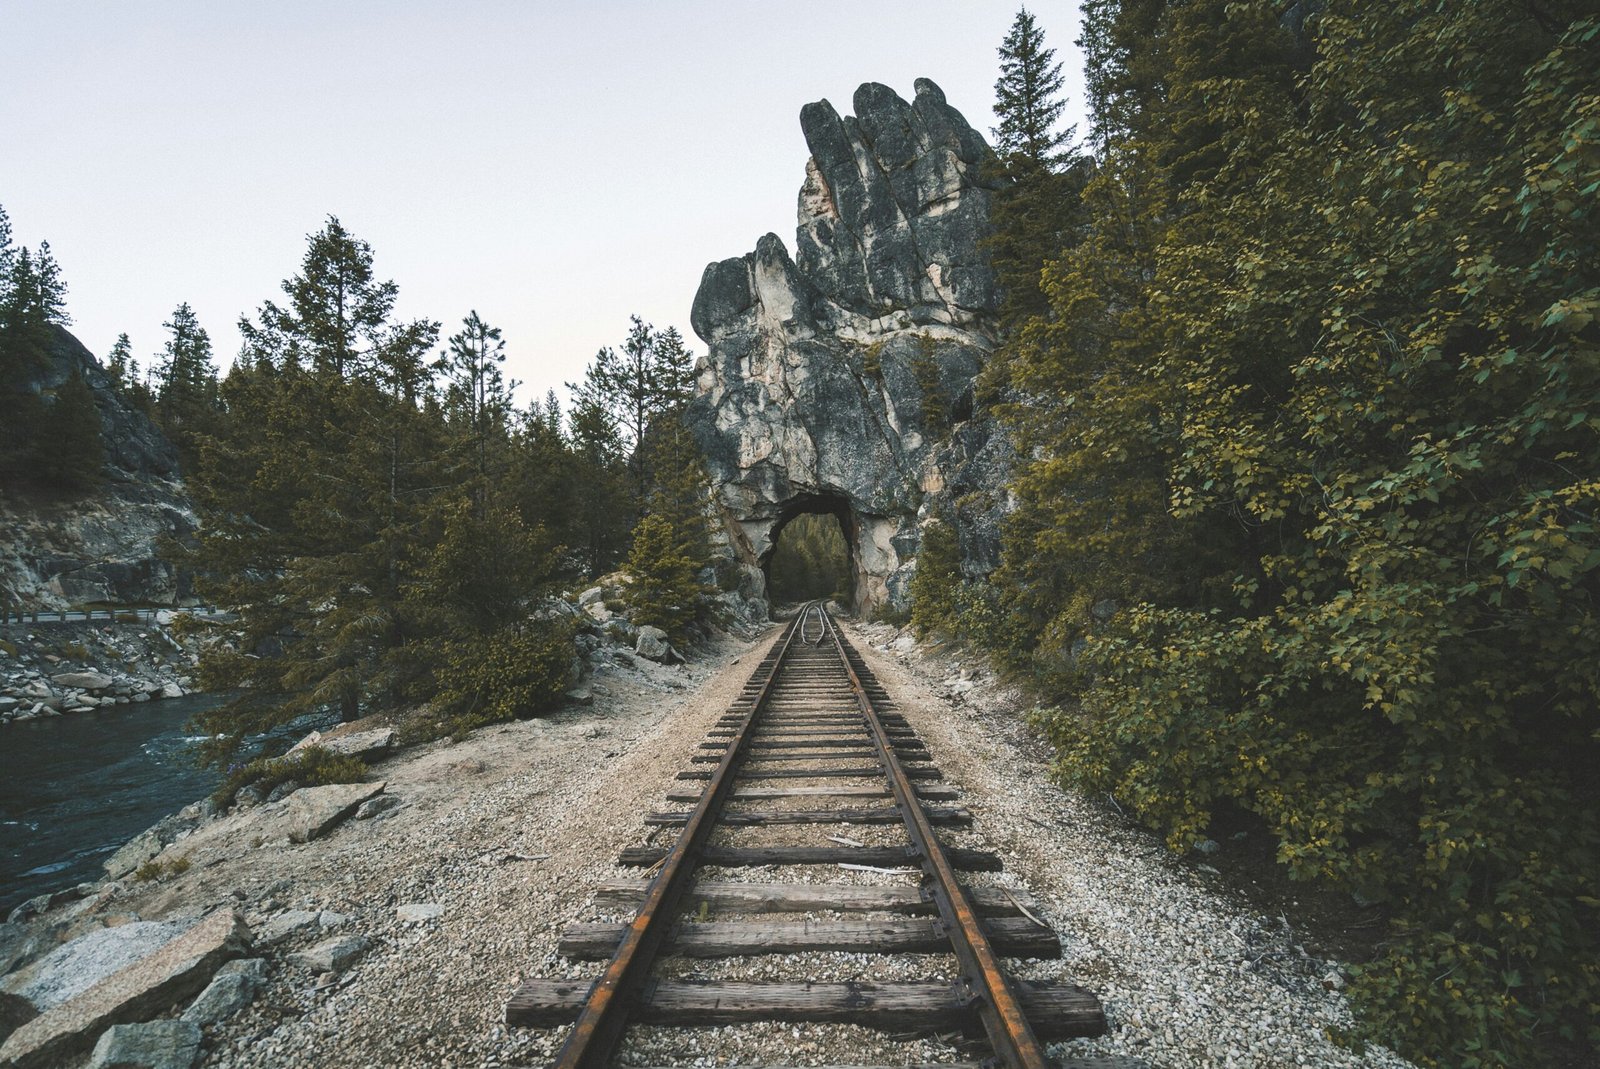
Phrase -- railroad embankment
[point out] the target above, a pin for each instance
(388, 922)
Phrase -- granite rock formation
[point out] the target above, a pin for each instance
(100, 547)
(840, 380)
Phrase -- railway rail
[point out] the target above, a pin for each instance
(812, 728)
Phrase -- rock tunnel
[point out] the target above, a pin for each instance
(834, 507)
(839, 380)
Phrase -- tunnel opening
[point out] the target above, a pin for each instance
(813, 553)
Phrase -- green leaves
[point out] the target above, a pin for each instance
(1313, 408)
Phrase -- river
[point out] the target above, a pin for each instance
(74, 788)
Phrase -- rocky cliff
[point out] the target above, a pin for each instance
(99, 547)
(840, 380)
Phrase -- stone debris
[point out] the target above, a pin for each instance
(150, 1045)
(333, 955)
(48, 671)
(314, 811)
(179, 969)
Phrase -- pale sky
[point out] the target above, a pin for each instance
(555, 166)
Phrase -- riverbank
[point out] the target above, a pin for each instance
(50, 670)
(395, 937)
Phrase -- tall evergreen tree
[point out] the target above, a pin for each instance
(120, 365)
(32, 308)
(186, 400)
(477, 397)
(1036, 210)
(1027, 99)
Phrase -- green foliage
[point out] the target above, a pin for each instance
(810, 560)
(518, 671)
(314, 766)
(1026, 101)
(76, 458)
(1308, 524)
(937, 578)
(48, 442)
(666, 592)
(156, 869)
(186, 401)
(930, 384)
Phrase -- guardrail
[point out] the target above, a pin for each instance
(84, 616)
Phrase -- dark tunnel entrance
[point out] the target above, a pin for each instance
(813, 553)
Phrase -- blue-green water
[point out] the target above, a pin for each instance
(73, 788)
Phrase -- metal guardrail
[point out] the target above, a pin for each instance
(85, 616)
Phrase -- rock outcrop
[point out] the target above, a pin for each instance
(840, 380)
(98, 548)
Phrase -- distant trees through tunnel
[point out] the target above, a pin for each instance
(810, 560)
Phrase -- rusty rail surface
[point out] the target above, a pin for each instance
(983, 995)
(1009, 1032)
(594, 1038)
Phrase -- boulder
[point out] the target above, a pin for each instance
(363, 744)
(233, 988)
(373, 807)
(332, 955)
(594, 595)
(652, 643)
(179, 969)
(149, 843)
(150, 1045)
(15, 1011)
(171, 690)
(82, 680)
(419, 912)
(313, 811)
(286, 925)
(79, 965)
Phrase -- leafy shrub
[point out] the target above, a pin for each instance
(314, 766)
(517, 671)
(156, 869)
(666, 590)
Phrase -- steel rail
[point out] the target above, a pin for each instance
(1009, 1031)
(605, 1012)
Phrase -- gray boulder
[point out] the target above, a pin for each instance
(88, 959)
(332, 955)
(314, 811)
(286, 925)
(149, 1045)
(233, 988)
(82, 680)
(652, 643)
(363, 744)
(176, 971)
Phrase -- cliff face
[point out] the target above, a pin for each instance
(101, 546)
(841, 380)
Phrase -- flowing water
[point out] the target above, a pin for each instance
(74, 788)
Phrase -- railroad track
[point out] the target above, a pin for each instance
(813, 739)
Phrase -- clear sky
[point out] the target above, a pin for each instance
(555, 166)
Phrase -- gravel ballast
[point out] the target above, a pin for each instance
(495, 844)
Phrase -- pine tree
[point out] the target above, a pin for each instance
(652, 373)
(316, 495)
(76, 455)
(1036, 210)
(603, 507)
(1026, 98)
(477, 398)
(120, 365)
(32, 309)
(186, 401)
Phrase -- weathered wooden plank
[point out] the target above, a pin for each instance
(824, 742)
(746, 794)
(1015, 937)
(924, 772)
(762, 754)
(879, 856)
(804, 897)
(1056, 1011)
(955, 816)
